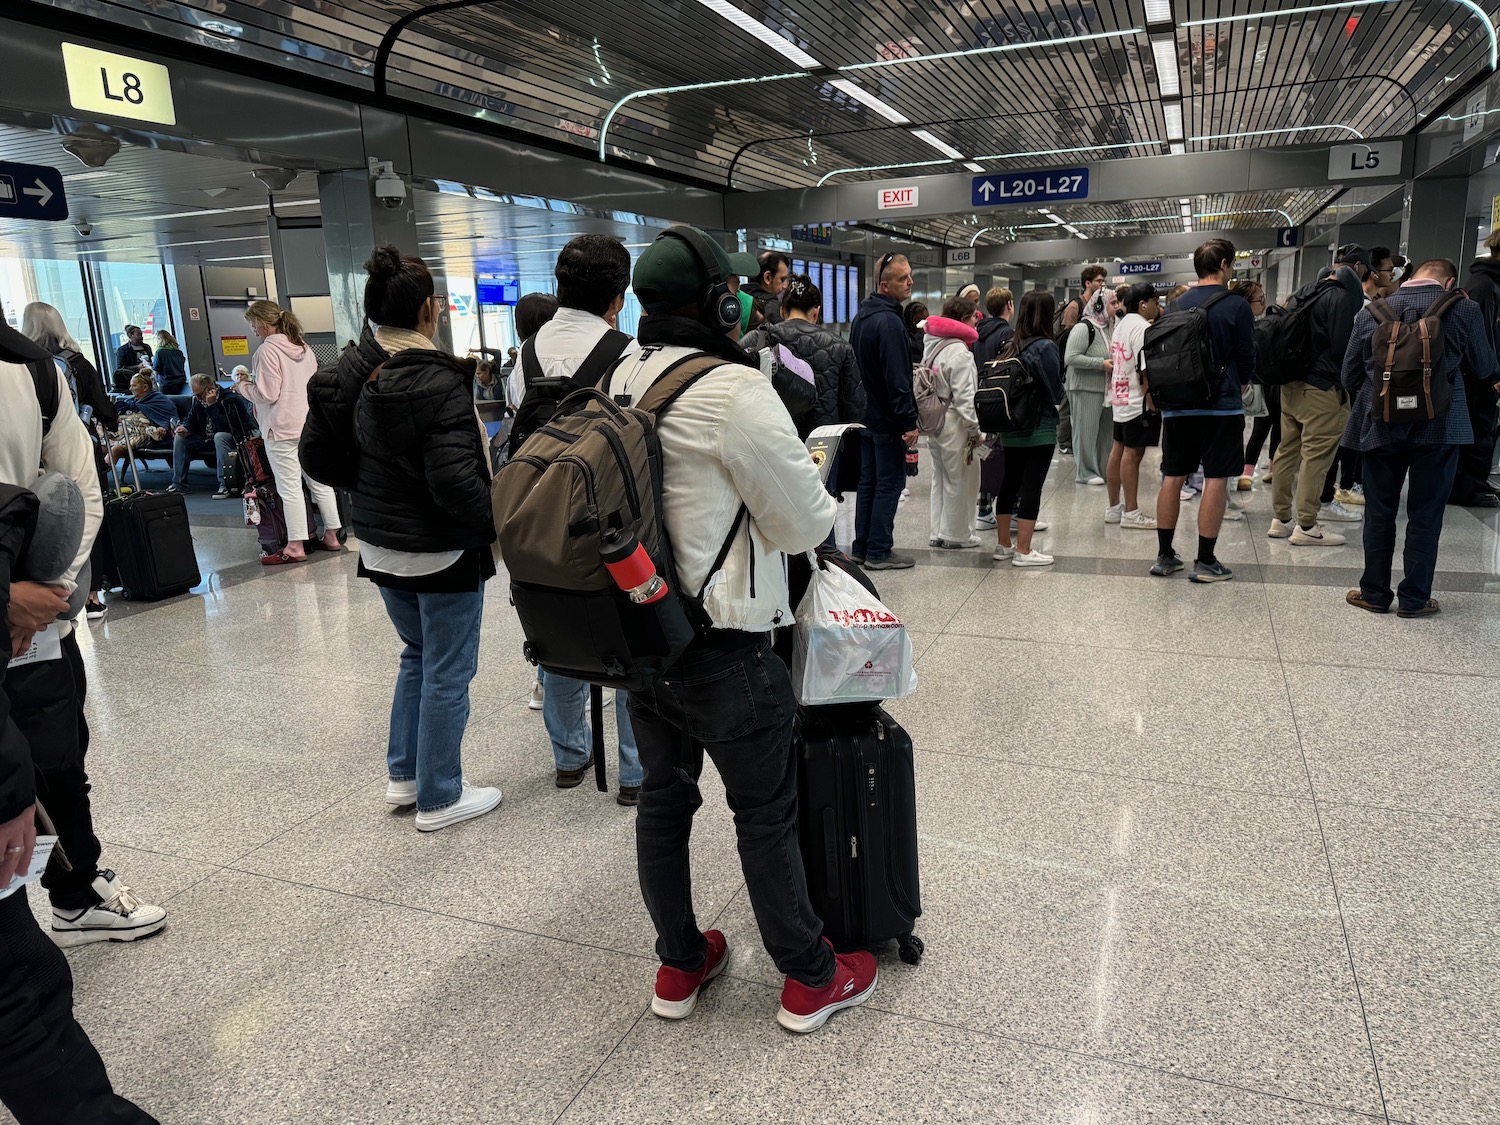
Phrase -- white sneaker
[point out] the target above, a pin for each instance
(1138, 521)
(538, 694)
(1041, 525)
(1280, 529)
(987, 521)
(1094, 481)
(119, 916)
(1015, 527)
(476, 800)
(1337, 513)
(1188, 493)
(1035, 558)
(1316, 536)
(1004, 554)
(1233, 514)
(399, 794)
(1113, 513)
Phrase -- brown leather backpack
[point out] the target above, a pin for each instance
(1413, 383)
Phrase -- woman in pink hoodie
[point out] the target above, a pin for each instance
(282, 365)
(955, 468)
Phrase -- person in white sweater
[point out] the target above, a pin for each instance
(1087, 365)
(955, 469)
(281, 367)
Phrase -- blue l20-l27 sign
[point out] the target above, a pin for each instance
(1048, 186)
(31, 191)
(1128, 269)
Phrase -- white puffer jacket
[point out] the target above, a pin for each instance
(726, 441)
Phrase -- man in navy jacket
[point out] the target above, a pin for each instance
(878, 336)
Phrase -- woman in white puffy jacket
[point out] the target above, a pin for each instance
(955, 466)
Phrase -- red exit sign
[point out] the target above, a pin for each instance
(897, 198)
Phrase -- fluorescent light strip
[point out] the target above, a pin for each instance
(1172, 112)
(1168, 75)
(778, 43)
(216, 241)
(230, 210)
(1001, 48)
(619, 105)
(938, 143)
(1276, 13)
(971, 166)
(882, 168)
(241, 258)
(865, 98)
(1273, 132)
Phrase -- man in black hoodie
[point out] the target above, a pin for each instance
(878, 336)
(1471, 487)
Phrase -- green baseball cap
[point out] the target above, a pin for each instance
(669, 275)
(744, 264)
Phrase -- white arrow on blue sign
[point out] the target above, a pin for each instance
(1046, 186)
(31, 191)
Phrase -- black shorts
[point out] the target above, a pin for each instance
(1217, 442)
(1141, 432)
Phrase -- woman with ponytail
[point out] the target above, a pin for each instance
(281, 367)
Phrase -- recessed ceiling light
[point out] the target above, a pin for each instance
(942, 146)
(1158, 11)
(865, 98)
(971, 166)
(1172, 112)
(1164, 52)
(782, 46)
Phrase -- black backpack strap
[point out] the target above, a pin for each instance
(599, 361)
(44, 376)
(723, 555)
(1214, 300)
(531, 367)
(596, 726)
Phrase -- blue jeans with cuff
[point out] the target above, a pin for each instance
(431, 705)
(565, 710)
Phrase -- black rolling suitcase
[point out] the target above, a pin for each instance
(857, 826)
(153, 544)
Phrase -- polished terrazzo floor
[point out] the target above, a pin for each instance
(1189, 854)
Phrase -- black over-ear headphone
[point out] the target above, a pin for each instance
(717, 306)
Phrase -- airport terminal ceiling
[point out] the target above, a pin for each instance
(795, 93)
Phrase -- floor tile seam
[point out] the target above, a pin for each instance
(629, 1031)
(216, 868)
(1485, 822)
(1425, 671)
(968, 597)
(1338, 899)
(1075, 1052)
(1269, 661)
(342, 796)
(1115, 774)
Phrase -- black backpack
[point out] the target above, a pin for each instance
(1178, 361)
(1284, 350)
(543, 393)
(1061, 338)
(1009, 395)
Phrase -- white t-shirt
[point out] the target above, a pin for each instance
(1126, 395)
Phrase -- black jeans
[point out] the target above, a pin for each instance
(1025, 474)
(47, 705)
(50, 1073)
(1474, 461)
(735, 698)
(1431, 469)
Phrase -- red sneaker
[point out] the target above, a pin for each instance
(677, 991)
(806, 1009)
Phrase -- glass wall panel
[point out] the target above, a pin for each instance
(59, 284)
(130, 293)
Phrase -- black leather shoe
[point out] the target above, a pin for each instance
(569, 779)
(629, 796)
(1481, 500)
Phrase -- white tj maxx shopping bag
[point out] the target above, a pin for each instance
(850, 647)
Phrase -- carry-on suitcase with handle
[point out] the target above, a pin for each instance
(857, 826)
(153, 544)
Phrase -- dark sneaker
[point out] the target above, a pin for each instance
(1425, 611)
(1210, 572)
(892, 561)
(857, 560)
(1166, 564)
(568, 779)
(805, 1009)
(1357, 598)
(222, 494)
(177, 488)
(677, 990)
(629, 796)
(95, 610)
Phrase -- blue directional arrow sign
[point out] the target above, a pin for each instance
(1286, 237)
(31, 191)
(1045, 186)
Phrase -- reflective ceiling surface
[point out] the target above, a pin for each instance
(1013, 83)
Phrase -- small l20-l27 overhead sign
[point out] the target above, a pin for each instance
(1048, 186)
(31, 191)
(1135, 269)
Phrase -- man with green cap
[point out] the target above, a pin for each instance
(729, 450)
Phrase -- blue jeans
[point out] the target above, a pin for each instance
(882, 477)
(1431, 469)
(735, 697)
(565, 710)
(431, 705)
(185, 447)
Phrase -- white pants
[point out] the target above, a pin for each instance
(287, 470)
(955, 485)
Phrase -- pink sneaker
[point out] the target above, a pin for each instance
(677, 990)
(805, 1009)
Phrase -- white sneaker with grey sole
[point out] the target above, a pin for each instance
(1335, 512)
(538, 694)
(475, 800)
(119, 916)
(400, 794)
(1280, 529)
(1316, 536)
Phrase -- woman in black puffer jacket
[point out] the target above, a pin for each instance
(840, 392)
(396, 419)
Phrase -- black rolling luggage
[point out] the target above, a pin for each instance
(857, 825)
(153, 545)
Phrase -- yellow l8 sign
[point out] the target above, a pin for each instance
(118, 85)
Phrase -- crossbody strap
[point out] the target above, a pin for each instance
(599, 360)
(531, 367)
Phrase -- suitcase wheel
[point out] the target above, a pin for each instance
(911, 949)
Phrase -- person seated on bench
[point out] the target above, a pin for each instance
(215, 423)
(150, 416)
